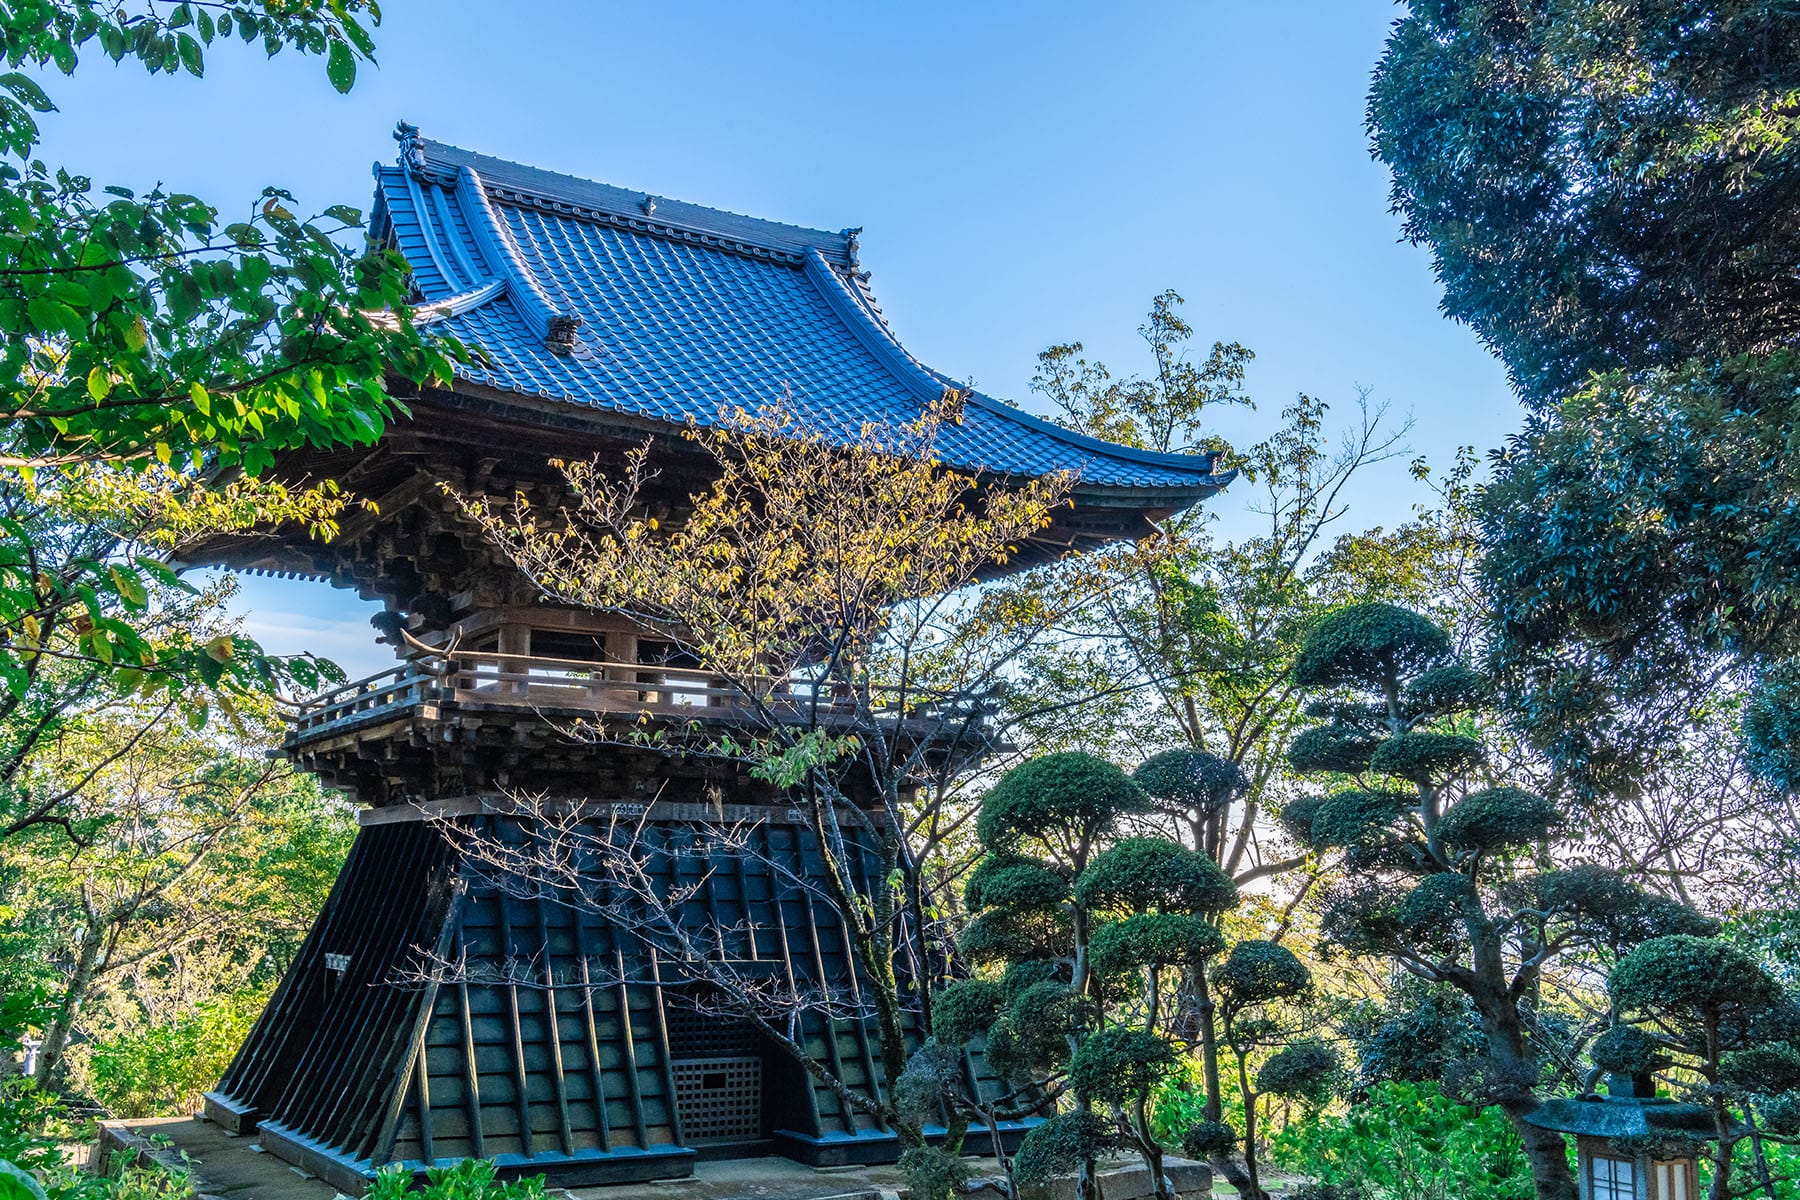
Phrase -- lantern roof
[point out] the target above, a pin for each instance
(1623, 1117)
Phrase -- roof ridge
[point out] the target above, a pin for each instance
(643, 212)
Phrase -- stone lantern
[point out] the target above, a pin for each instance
(1631, 1144)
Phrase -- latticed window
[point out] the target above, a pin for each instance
(1614, 1179)
(1671, 1181)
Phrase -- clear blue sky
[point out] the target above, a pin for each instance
(1026, 172)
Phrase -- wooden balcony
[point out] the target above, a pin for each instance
(485, 682)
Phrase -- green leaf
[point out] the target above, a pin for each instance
(345, 214)
(135, 337)
(99, 383)
(188, 46)
(26, 89)
(131, 588)
(340, 66)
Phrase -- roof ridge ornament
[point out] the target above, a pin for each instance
(850, 246)
(648, 204)
(412, 147)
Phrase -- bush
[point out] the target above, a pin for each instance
(469, 1179)
(1060, 1144)
(1339, 748)
(1367, 644)
(1115, 1065)
(1185, 781)
(1060, 797)
(1496, 818)
(1154, 875)
(1013, 881)
(964, 1010)
(1152, 939)
(1409, 1140)
(162, 1070)
(1426, 758)
(1257, 972)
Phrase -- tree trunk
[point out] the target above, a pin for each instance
(56, 1033)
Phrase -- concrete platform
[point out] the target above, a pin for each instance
(232, 1167)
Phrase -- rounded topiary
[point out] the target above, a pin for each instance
(1031, 1038)
(1305, 1070)
(1369, 646)
(1769, 1069)
(1152, 939)
(1115, 1065)
(964, 1010)
(1692, 979)
(1343, 749)
(1014, 881)
(1186, 781)
(1207, 1138)
(933, 1171)
(1624, 1050)
(1007, 935)
(1022, 975)
(1257, 971)
(1060, 1144)
(1452, 688)
(1430, 911)
(1060, 799)
(1781, 1114)
(1296, 816)
(1497, 818)
(1426, 759)
(1357, 816)
(1154, 874)
(1610, 909)
(1771, 727)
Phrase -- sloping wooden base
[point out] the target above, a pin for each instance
(432, 1015)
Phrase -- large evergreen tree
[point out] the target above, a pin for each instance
(1610, 193)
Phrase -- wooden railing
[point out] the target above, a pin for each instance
(486, 678)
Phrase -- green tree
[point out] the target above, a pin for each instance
(1608, 195)
(1710, 1009)
(196, 865)
(158, 355)
(1092, 930)
(1446, 873)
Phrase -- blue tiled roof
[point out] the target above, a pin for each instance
(682, 310)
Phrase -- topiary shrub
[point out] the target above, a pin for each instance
(1497, 818)
(1426, 759)
(1031, 1038)
(963, 1011)
(1207, 1138)
(1297, 815)
(1022, 975)
(1014, 881)
(1625, 1050)
(1257, 971)
(1429, 912)
(1154, 875)
(1060, 1144)
(1368, 644)
(1116, 1065)
(1357, 816)
(1063, 798)
(1605, 907)
(933, 1173)
(1152, 939)
(1453, 688)
(1692, 979)
(1339, 748)
(1004, 935)
(1185, 780)
(1307, 1070)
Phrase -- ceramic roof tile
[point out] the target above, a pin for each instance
(685, 309)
